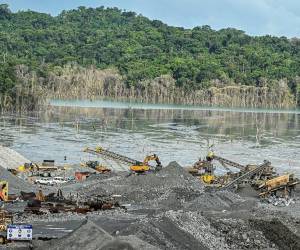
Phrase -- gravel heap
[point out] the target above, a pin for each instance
(170, 209)
(173, 181)
(89, 236)
(10, 158)
(217, 201)
(15, 184)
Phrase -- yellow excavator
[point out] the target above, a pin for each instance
(3, 191)
(145, 165)
(5, 217)
(135, 166)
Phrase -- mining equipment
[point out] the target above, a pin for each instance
(96, 166)
(26, 167)
(205, 170)
(284, 184)
(246, 175)
(3, 191)
(135, 165)
(266, 173)
(5, 217)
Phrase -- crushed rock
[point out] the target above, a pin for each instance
(15, 184)
(89, 236)
(10, 159)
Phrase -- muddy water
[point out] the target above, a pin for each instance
(177, 133)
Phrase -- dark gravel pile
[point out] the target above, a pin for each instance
(90, 236)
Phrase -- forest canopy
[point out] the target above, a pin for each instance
(142, 49)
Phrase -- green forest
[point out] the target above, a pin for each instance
(141, 56)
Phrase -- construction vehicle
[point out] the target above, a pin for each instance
(285, 183)
(96, 166)
(145, 165)
(5, 217)
(3, 191)
(135, 165)
(26, 167)
(205, 170)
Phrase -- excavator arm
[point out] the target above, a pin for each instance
(153, 157)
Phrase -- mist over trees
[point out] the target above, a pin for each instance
(91, 52)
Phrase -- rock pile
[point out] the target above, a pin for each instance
(15, 184)
(90, 236)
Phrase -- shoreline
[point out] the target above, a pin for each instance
(106, 103)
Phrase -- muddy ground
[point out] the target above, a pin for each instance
(169, 209)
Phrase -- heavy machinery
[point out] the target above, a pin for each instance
(3, 191)
(284, 183)
(97, 166)
(26, 167)
(266, 172)
(246, 175)
(205, 170)
(135, 165)
(5, 217)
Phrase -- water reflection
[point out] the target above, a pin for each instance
(181, 135)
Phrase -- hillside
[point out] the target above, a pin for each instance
(142, 58)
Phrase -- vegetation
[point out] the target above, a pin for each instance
(108, 52)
